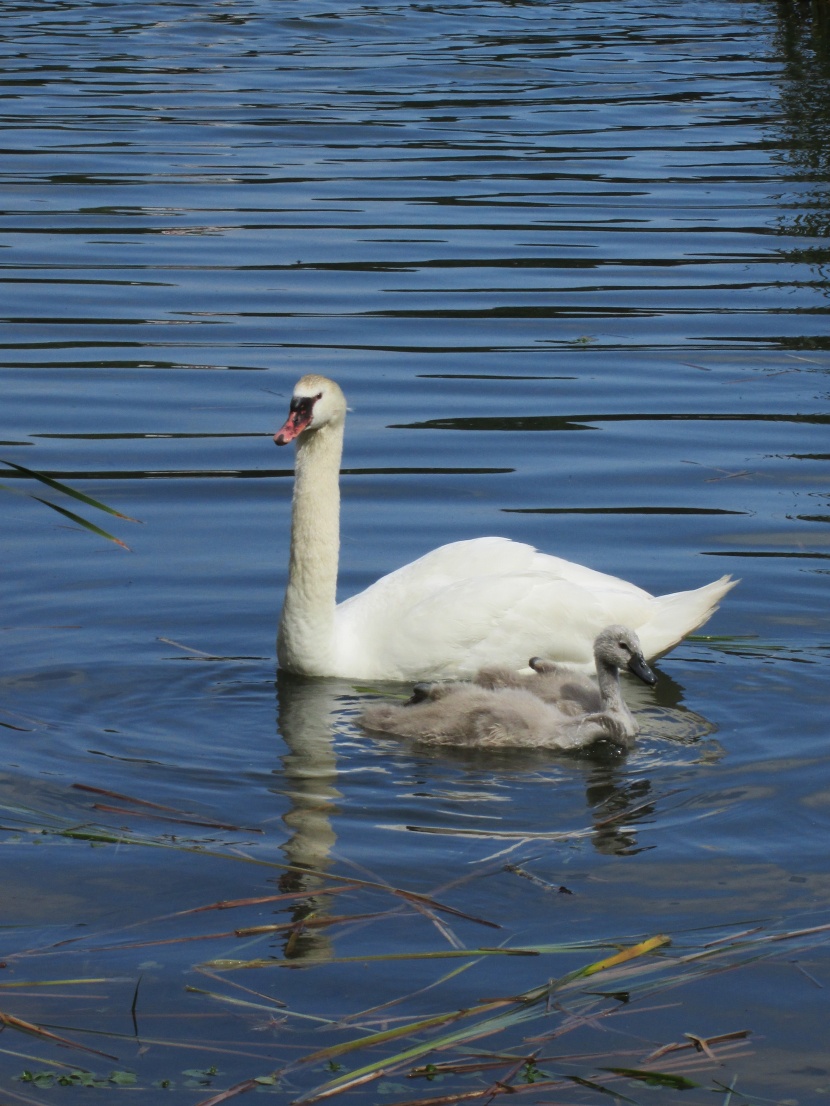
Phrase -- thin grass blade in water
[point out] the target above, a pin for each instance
(656, 1078)
(10, 1021)
(498, 1014)
(87, 525)
(59, 487)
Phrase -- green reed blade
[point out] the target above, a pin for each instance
(656, 1078)
(18, 983)
(83, 522)
(360, 1015)
(65, 488)
(598, 1087)
(641, 949)
(520, 1008)
(227, 965)
(10, 1021)
(246, 1004)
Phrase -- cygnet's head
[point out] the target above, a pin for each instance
(317, 401)
(618, 647)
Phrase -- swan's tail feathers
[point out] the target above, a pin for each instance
(680, 613)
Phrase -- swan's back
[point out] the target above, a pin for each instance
(470, 603)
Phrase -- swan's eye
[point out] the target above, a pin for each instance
(302, 405)
(626, 648)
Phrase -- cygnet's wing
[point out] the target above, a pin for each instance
(444, 719)
(587, 729)
(559, 684)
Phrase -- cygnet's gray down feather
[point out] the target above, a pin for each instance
(465, 714)
(573, 692)
(551, 708)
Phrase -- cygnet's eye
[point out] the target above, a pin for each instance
(625, 646)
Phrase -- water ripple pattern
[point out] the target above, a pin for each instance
(568, 260)
(255, 177)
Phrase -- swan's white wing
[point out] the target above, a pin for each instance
(506, 619)
(476, 602)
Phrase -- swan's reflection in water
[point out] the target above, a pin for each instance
(307, 713)
(313, 714)
(307, 716)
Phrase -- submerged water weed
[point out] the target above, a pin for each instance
(200, 1077)
(77, 1078)
(530, 1073)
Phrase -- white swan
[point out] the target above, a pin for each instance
(615, 649)
(506, 716)
(455, 609)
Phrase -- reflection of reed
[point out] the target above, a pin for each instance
(305, 717)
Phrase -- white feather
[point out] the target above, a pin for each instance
(462, 606)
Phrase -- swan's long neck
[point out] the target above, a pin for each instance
(305, 642)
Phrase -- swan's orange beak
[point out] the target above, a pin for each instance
(295, 424)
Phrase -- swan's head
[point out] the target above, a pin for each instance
(618, 647)
(316, 402)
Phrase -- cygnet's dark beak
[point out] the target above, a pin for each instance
(637, 665)
(420, 693)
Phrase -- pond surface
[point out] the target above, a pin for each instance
(569, 263)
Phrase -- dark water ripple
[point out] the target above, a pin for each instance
(478, 161)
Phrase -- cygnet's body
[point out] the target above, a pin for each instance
(572, 691)
(465, 714)
(616, 649)
(501, 708)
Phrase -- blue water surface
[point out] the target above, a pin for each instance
(568, 261)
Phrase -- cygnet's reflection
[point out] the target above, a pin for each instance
(311, 710)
